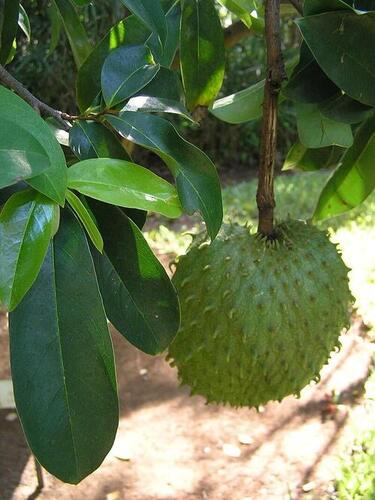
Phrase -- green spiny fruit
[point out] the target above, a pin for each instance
(259, 318)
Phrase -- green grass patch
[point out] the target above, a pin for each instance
(356, 476)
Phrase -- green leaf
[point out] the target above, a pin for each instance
(196, 177)
(354, 179)
(9, 12)
(22, 129)
(318, 131)
(125, 184)
(27, 223)
(157, 105)
(343, 108)
(164, 55)
(24, 23)
(62, 361)
(241, 107)
(308, 160)
(139, 299)
(236, 8)
(16, 164)
(78, 39)
(202, 55)
(125, 72)
(94, 140)
(308, 83)
(151, 13)
(165, 85)
(56, 26)
(340, 43)
(312, 7)
(245, 105)
(129, 31)
(163, 94)
(85, 217)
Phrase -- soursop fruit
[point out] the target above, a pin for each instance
(259, 318)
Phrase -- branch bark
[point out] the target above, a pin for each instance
(43, 109)
(275, 76)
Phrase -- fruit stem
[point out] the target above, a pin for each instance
(275, 76)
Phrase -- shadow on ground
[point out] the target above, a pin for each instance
(176, 447)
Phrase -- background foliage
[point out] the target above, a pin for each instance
(51, 74)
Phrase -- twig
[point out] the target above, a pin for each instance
(27, 96)
(275, 76)
(297, 5)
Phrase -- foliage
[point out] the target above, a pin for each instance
(74, 200)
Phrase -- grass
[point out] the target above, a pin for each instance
(296, 197)
(356, 476)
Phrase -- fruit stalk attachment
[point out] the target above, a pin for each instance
(274, 78)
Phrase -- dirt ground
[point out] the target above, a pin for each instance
(171, 446)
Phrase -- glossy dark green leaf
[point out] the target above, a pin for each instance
(343, 108)
(85, 217)
(196, 177)
(151, 13)
(129, 31)
(62, 362)
(158, 105)
(165, 85)
(125, 72)
(9, 13)
(318, 131)
(164, 55)
(340, 43)
(308, 83)
(94, 140)
(202, 55)
(163, 95)
(139, 217)
(16, 164)
(22, 130)
(24, 23)
(125, 184)
(139, 299)
(354, 179)
(313, 7)
(77, 36)
(28, 221)
(307, 160)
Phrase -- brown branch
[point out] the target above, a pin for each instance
(39, 106)
(275, 76)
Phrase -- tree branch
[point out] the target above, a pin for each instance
(39, 106)
(275, 76)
